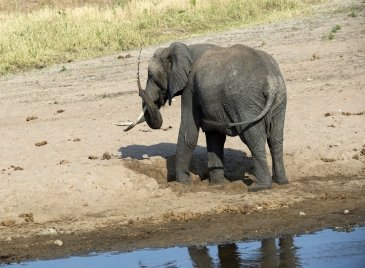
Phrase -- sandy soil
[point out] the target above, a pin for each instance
(68, 186)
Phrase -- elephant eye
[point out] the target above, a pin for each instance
(159, 75)
(149, 75)
(158, 84)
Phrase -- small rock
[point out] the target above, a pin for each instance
(63, 162)
(60, 111)
(50, 231)
(91, 157)
(346, 211)
(58, 242)
(309, 79)
(7, 223)
(328, 114)
(28, 217)
(39, 66)
(30, 118)
(356, 157)
(362, 151)
(259, 208)
(16, 168)
(301, 213)
(76, 139)
(314, 57)
(167, 128)
(41, 143)
(145, 156)
(328, 160)
(120, 57)
(106, 156)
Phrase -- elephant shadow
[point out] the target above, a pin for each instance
(236, 163)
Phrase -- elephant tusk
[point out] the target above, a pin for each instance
(139, 120)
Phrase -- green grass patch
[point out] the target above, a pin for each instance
(332, 33)
(51, 35)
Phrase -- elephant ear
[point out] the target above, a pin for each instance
(178, 76)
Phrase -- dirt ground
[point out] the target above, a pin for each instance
(68, 174)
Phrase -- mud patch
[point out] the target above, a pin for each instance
(183, 230)
(237, 170)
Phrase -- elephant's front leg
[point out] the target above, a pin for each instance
(215, 146)
(188, 138)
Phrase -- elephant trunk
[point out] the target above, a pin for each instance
(152, 115)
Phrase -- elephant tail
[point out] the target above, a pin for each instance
(268, 105)
(244, 124)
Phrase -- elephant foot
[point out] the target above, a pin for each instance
(183, 178)
(255, 187)
(217, 181)
(217, 177)
(280, 181)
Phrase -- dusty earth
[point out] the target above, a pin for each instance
(67, 173)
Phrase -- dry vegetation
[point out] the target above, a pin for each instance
(36, 34)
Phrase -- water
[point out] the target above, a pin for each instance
(326, 248)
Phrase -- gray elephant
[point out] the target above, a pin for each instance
(234, 91)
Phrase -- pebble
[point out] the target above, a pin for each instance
(107, 156)
(346, 211)
(145, 156)
(50, 231)
(301, 213)
(41, 143)
(16, 168)
(30, 118)
(58, 242)
(7, 223)
(28, 217)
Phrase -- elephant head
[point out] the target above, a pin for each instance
(168, 73)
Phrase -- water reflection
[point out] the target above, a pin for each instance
(325, 249)
(271, 254)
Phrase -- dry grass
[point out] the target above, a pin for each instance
(61, 31)
(27, 6)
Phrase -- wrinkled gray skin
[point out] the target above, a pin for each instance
(224, 91)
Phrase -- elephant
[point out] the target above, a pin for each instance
(234, 91)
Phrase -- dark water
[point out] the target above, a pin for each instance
(328, 248)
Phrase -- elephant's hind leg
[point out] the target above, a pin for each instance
(215, 147)
(255, 139)
(275, 142)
